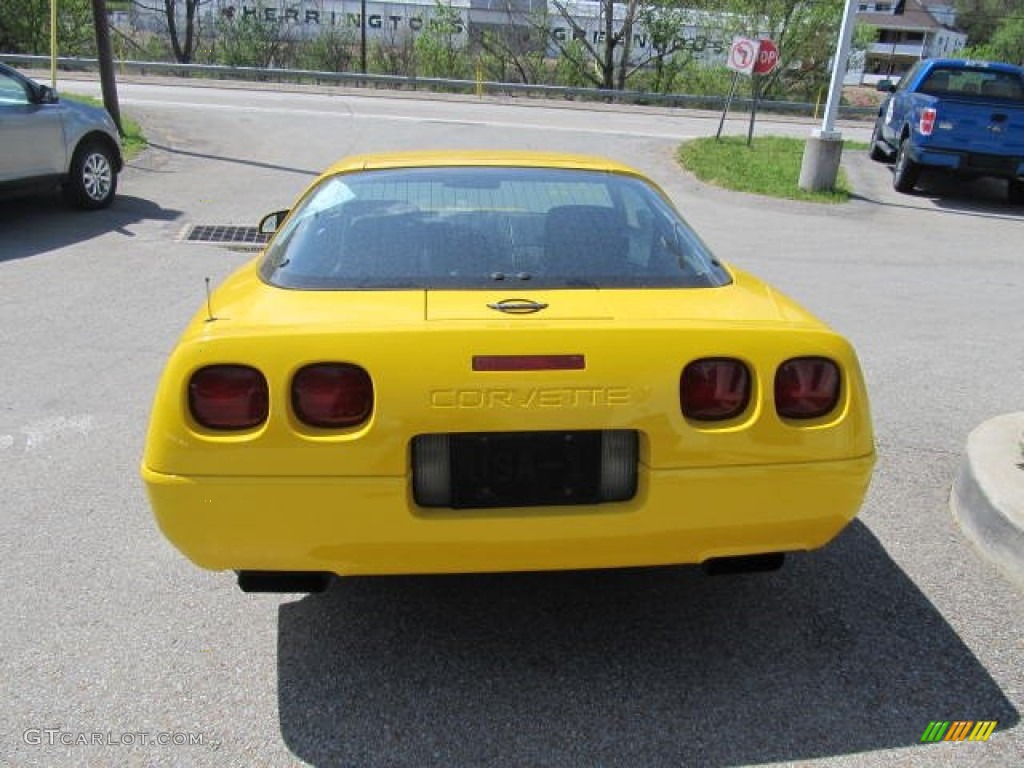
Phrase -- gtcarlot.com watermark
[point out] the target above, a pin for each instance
(59, 737)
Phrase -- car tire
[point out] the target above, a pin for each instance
(877, 151)
(1015, 191)
(905, 171)
(92, 179)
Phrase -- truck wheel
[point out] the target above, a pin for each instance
(92, 180)
(906, 171)
(1015, 191)
(877, 152)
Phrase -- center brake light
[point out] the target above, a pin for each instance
(714, 389)
(228, 397)
(927, 122)
(529, 362)
(332, 395)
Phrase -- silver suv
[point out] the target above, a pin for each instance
(48, 142)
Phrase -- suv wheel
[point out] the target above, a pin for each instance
(92, 180)
(906, 171)
(877, 151)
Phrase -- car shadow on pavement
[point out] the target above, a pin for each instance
(838, 653)
(936, 191)
(36, 225)
(967, 196)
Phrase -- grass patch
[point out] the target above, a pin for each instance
(770, 166)
(133, 141)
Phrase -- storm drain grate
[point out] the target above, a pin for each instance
(224, 234)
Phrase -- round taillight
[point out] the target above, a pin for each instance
(806, 388)
(332, 395)
(229, 397)
(714, 389)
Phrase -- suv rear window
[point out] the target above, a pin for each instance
(473, 227)
(980, 82)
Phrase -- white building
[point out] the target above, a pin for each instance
(907, 32)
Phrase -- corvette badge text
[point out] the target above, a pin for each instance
(540, 397)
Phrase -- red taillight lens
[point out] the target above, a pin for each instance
(927, 123)
(332, 395)
(714, 389)
(228, 397)
(806, 388)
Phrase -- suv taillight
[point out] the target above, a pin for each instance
(806, 388)
(927, 122)
(714, 389)
(231, 397)
(332, 395)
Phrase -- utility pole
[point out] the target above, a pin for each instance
(106, 59)
(362, 36)
(824, 147)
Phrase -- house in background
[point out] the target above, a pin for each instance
(908, 30)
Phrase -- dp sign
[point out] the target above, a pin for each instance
(767, 57)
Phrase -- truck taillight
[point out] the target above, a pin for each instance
(228, 397)
(806, 388)
(714, 389)
(332, 395)
(927, 123)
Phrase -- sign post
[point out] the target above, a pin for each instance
(765, 63)
(742, 57)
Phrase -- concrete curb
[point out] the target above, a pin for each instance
(988, 494)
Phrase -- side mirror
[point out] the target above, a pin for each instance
(270, 223)
(886, 86)
(47, 95)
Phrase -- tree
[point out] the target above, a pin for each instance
(439, 46)
(981, 19)
(805, 33)
(25, 27)
(183, 19)
(1006, 44)
(255, 39)
(515, 51)
(678, 37)
(598, 48)
(332, 50)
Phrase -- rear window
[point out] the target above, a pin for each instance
(981, 82)
(480, 227)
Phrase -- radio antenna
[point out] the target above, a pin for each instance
(209, 306)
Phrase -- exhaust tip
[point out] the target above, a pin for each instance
(284, 581)
(721, 566)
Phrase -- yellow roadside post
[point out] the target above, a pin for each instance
(53, 44)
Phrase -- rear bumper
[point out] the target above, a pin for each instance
(366, 526)
(1000, 166)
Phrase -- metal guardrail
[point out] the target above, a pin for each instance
(433, 84)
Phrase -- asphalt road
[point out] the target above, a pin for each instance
(111, 638)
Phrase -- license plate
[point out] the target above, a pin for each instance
(523, 469)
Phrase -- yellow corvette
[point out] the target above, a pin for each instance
(499, 361)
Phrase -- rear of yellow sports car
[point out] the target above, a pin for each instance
(525, 421)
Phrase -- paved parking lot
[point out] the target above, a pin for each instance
(841, 658)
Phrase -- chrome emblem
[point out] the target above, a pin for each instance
(518, 306)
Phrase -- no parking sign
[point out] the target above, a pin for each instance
(743, 55)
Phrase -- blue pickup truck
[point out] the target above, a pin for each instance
(963, 117)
